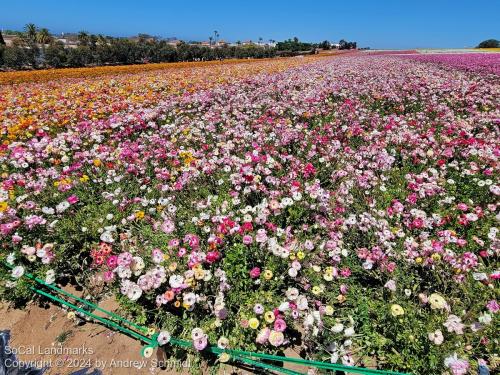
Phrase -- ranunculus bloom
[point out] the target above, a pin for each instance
(255, 272)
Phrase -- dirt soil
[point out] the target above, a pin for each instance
(44, 336)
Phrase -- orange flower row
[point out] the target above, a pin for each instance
(74, 95)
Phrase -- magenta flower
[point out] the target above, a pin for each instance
(255, 272)
(72, 199)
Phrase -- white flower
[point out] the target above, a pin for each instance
(302, 303)
(11, 258)
(176, 281)
(485, 318)
(48, 210)
(337, 328)
(189, 299)
(134, 292)
(50, 277)
(17, 272)
(107, 236)
(163, 338)
(292, 294)
(349, 332)
(63, 206)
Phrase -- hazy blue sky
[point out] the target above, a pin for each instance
(377, 23)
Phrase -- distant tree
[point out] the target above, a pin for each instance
(2, 50)
(2, 42)
(30, 32)
(43, 36)
(83, 38)
(343, 44)
(14, 57)
(56, 55)
(210, 38)
(324, 44)
(489, 43)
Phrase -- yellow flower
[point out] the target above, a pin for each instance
(151, 331)
(341, 298)
(316, 290)
(269, 316)
(199, 273)
(97, 162)
(84, 178)
(224, 357)
(292, 256)
(139, 215)
(436, 301)
(436, 257)
(71, 315)
(328, 274)
(172, 266)
(268, 274)
(418, 260)
(3, 206)
(328, 310)
(253, 323)
(300, 255)
(397, 310)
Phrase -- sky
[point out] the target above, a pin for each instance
(392, 24)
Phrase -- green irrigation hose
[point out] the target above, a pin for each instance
(235, 355)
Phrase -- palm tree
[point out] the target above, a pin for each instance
(83, 38)
(216, 35)
(260, 40)
(30, 32)
(43, 36)
(210, 38)
(101, 40)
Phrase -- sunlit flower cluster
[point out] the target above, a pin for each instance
(347, 205)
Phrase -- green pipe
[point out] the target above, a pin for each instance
(244, 356)
(84, 301)
(105, 321)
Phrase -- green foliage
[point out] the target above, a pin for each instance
(489, 43)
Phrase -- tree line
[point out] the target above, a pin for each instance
(36, 48)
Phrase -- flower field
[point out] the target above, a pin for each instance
(345, 206)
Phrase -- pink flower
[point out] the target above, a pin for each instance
(108, 276)
(391, 285)
(309, 170)
(279, 325)
(200, 343)
(212, 256)
(263, 336)
(493, 306)
(168, 226)
(112, 261)
(247, 239)
(345, 272)
(454, 324)
(456, 365)
(124, 259)
(72, 199)
(255, 272)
